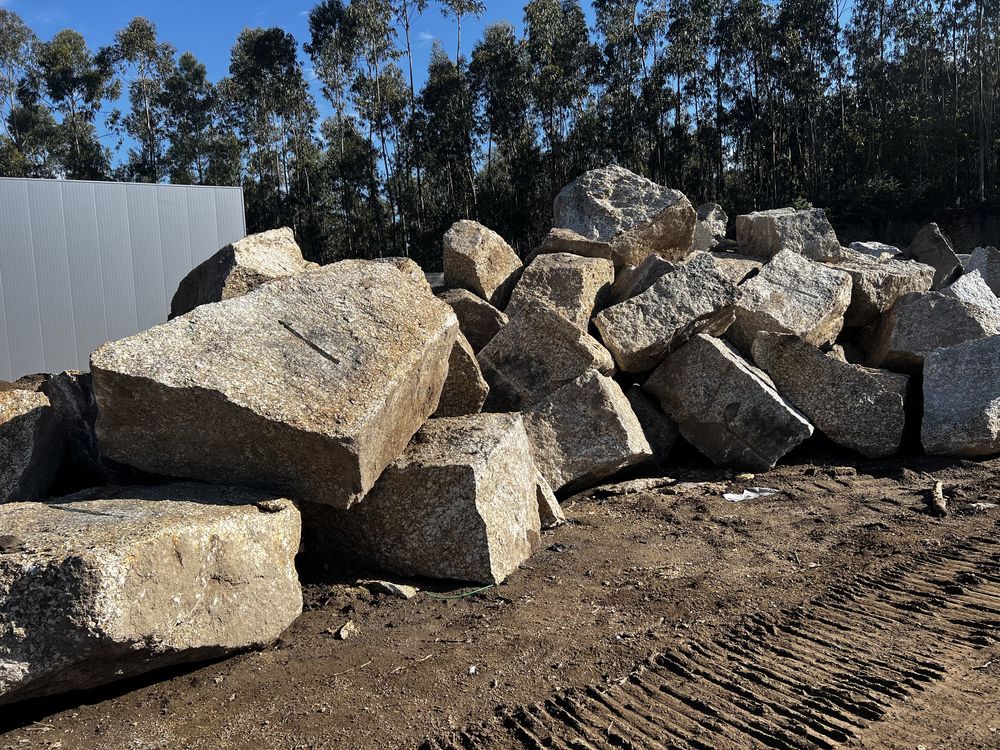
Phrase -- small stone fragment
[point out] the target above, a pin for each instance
(240, 267)
(694, 297)
(398, 590)
(635, 215)
(478, 259)
(478, 320)
(877, 250)
(535, 354)
(857, 407)
(571, 284)
(549, 510)
(792, 294)
(932, 248)
(725, 407)
(585, 432)
(560, 240)
(806, 232)
(465, 390)
(347, 630)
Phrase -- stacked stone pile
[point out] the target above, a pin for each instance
(349, 413)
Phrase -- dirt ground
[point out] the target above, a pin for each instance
(837, 613)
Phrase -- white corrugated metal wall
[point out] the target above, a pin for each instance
(82, 263)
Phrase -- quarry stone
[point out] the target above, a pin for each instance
(877, 284)
(633, 280)
(932, 248)
(962, 399)
(737, 268)
(536, 353)
(460, 503)
(550, 512)
(792, 294)
(560, 240)
(660, 430)
(585, 432)
(876, 250)
(973, 289)
(920, 322)
(694, 297)
(239, 267)
(711, 227)
(571, 284)
(478, 259)
(806, 232)
(31, 444)
(857, 407)
(103, 588)
(635, 215)
(464, 390)
(725, 407)
(986, 260)
(478, 320)
(309, 385)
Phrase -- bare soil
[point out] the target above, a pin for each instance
(838, 613)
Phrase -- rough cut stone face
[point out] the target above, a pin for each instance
(31, 445)
(806, 232)
(572, 284)
(711, 227)
(973, 289)
(923, 321)
(636, 216)
(986, 260)
(633, 280)
(877, 284)
(408, 267)
(100, 589)
(932, 248)
(549, 511)
(736, 267)
(560, 240)
(694, 297)
(478, 320)
(857, 407)
(240, 267)
(876, 250)
(725, 407)
(585, 432)
(310, 385)
(464, 390)
(660, 430)
(460, 503)
(962, 399)
(478, 259)
(535, 354)
(792, 294)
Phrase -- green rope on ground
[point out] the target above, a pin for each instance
(462, 595)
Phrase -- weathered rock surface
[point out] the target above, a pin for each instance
(877, 284)
(974, 290)
(633, 280)
(100, 589)
(660, 430)
(460, 503)
(857, 407)
(478, 259)
(309, 385)
(694, 297)
(635, 215)
(31, 445)
(792, 294)
(932, 248)
(550, 512)
(560, 240)
(736, 267)
(585, 432)
(711, 227)
(962, 399)
(240, 267)
(986, 260)
(478, 320)
(923, 321)
(535, 354)
(408, 267)
(725, 407)
(876, 250)
(807, 232)
(465, 389)
(572, 284)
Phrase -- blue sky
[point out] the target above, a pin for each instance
(209, 28)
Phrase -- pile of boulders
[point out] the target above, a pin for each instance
(350, 413)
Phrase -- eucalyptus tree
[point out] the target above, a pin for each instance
(189, 101)
(459, 9)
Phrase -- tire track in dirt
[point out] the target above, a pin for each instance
(811, 678)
